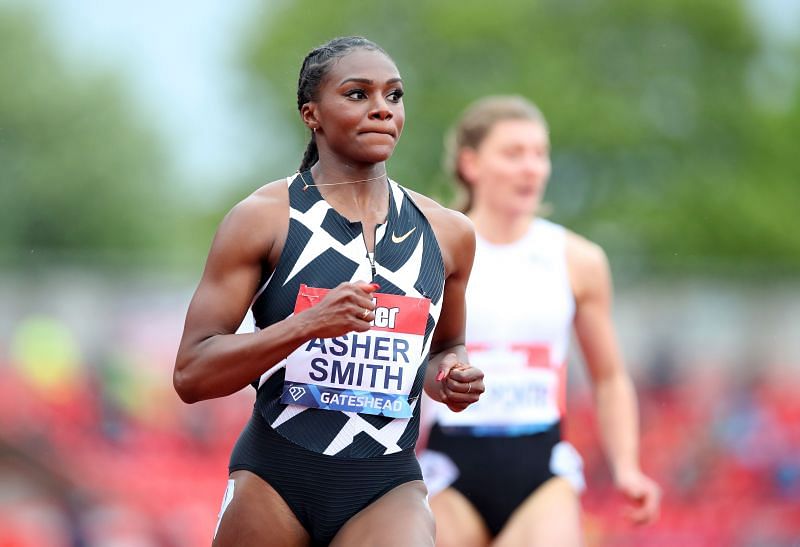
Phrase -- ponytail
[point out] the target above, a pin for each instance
(311, 155)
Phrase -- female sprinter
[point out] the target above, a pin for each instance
(357, 289)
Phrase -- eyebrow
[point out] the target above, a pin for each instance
(367, 81)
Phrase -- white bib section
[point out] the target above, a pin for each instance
(520, 309)
(371, 372)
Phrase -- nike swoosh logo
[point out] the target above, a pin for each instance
(403, 237)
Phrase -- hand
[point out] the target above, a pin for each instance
(642, 494)
(346, 308)
(461, 384)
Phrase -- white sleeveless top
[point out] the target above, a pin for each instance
(520, 309)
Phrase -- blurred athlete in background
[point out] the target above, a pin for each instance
(499, 473)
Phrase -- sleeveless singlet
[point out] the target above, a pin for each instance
(357, 395)
(520, 309)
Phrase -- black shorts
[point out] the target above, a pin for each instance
(497, 474)
(323, 491)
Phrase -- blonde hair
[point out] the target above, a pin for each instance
(474, 125)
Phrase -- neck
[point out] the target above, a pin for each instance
(330, 172)
(499, 227)
(359, 192)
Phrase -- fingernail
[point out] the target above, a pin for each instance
(376, 286)
(440, 376)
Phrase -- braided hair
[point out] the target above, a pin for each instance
(314, 69)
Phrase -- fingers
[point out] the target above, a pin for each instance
(645, 502)
(445, 365)
(462, 384)
(347, 308)
(464, 374)
(369, 288)
(354, 301)
(359, 294)
(365, 305)
(644, 513)
(650, 507)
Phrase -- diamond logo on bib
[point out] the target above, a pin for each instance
(296, 392)
(368, 372)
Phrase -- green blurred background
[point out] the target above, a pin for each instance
(128, 129)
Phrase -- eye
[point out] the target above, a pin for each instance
(396, 95)
(356, 94)
(513, 153)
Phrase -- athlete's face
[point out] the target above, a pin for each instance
(508, 171)
(359, 111)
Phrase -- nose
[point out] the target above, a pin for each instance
(534, 164)
(380, 110)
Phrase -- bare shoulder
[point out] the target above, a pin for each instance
(583, 253)
(258, 221)
(447, 223)
(269, 198)
(587, 263)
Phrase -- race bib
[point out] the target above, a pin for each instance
(368, 372)
(520, 392)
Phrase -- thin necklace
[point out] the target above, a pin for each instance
(306, 185)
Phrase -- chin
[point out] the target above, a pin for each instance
(523, 209)
(531, 206)
(375, 155)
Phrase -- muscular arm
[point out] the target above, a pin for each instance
(449, 377)
(615, 396)
(447, 346)
(212, 361)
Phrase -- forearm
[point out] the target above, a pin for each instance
(618, 418)
(225, 363)
(432, 385)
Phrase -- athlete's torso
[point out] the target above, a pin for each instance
(322, 250)
(520, 308)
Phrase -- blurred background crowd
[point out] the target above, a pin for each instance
(128, 129)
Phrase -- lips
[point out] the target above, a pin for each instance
(377, 132)
(528, 191)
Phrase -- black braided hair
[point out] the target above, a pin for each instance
(315, 66)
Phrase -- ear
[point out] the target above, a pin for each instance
(308, 113)
(467, 164)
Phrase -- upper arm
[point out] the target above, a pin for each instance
(456, 238)
(590, 277)
(243, 243)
